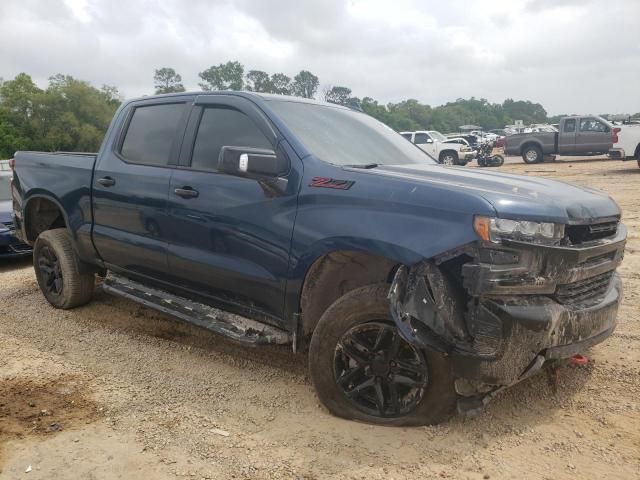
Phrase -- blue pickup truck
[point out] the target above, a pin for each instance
(416, 288)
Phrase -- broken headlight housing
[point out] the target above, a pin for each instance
(492, 229)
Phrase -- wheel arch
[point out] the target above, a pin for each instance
(42, 212)
(530, 143)
(448, 150)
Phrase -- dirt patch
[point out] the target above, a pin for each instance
(43, 407)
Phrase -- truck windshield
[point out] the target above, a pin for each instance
(345, 137)
(437, 136)
(5, 190)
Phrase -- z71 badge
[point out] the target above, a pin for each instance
(331, 183)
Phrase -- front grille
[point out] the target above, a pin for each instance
(588, 291)
(586, 233)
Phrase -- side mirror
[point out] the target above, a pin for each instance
(429, 140)
(256, 163)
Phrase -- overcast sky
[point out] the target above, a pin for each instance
(573, 56)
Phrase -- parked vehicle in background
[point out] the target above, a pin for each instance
(10, 246)
(500, 132)
(464, 138)
(267, 219)
(486, 157)
(626, 143)
(445, 150)
(578, 135)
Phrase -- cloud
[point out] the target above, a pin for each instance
(570, 55)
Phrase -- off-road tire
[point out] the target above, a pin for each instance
(528, 154)
(77, 285)
(370, 304)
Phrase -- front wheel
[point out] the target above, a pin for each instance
(364, 370)
(60, 277)
(449, 158)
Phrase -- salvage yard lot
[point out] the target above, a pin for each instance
(113, 390)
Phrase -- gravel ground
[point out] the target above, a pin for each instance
(112, 390)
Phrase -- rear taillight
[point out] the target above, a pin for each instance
(614, 135)
(12, 163)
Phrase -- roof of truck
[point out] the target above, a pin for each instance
(241, 93)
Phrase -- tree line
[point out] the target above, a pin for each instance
(73, 115)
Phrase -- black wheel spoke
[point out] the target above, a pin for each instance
(352, 352)
(409, 382)
(381, 336)
(414, 368)
(348, 376)
(396, 342)
(368, 383)
(378, 371)
(393, 397)
(379, 395)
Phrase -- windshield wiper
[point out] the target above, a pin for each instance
(366, 166)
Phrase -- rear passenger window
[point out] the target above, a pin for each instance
(570, 125)
(221, 127)
(151, 132)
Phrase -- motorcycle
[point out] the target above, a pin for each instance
(485, 157)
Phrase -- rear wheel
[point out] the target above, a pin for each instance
(449, 158)
(64, 284)
(364, 370)
(532, 154)
(497, 160)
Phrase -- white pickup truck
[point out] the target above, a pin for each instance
(448, 151)
(626, 143)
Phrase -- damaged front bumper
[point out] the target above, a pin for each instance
(510, 308)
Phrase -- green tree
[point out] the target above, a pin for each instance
(280, 84)
(305, 84)
(258, 81)
(166, 80)
(69, 115)
(339, 95)
(226, 76)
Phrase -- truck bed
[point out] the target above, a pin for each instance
(63, 178)
(548, 141)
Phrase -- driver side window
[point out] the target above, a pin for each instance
(224, 127)
(421, 138)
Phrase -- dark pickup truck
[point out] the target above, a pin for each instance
(415, 287)
(577, 135)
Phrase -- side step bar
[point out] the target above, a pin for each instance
(227, 324)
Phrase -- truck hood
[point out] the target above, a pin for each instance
(514, 196)
(6, 208)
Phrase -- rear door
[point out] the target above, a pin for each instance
(567, 136)
(593, 135)
(230, 237)
(131, 185)
(426, 143)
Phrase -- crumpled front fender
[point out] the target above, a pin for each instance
(426, 308)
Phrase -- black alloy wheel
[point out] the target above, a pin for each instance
(49, 265)
(378, 371)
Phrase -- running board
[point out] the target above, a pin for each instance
(227, 324)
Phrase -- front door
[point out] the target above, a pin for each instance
(426, 143)
(230, 236)
(593, 136)
(130, 188)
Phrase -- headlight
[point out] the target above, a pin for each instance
(464, 148)
(495, 229)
